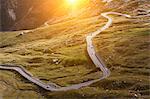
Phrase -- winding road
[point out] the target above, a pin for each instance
(92, 53)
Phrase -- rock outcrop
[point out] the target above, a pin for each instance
(26, 14)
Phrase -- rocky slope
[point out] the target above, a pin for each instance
(28, 14)
(25, 14)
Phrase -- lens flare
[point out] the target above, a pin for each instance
(76, 4)
(72, 2)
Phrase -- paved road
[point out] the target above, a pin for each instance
(90, 48)
(92, 53)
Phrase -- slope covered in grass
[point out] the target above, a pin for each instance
(57, 53)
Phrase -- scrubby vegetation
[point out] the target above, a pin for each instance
(57, 53)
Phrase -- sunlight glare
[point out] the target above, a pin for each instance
(72, 2)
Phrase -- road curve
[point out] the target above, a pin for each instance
(92, 53)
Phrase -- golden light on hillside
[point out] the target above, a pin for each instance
(74, 6)
(73, 3)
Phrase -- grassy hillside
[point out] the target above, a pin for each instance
(57, 53)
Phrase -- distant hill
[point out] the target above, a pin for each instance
(130, 6)
(29, 14)
(22, 14)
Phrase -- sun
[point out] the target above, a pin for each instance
(72, 2)
(75, 4)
